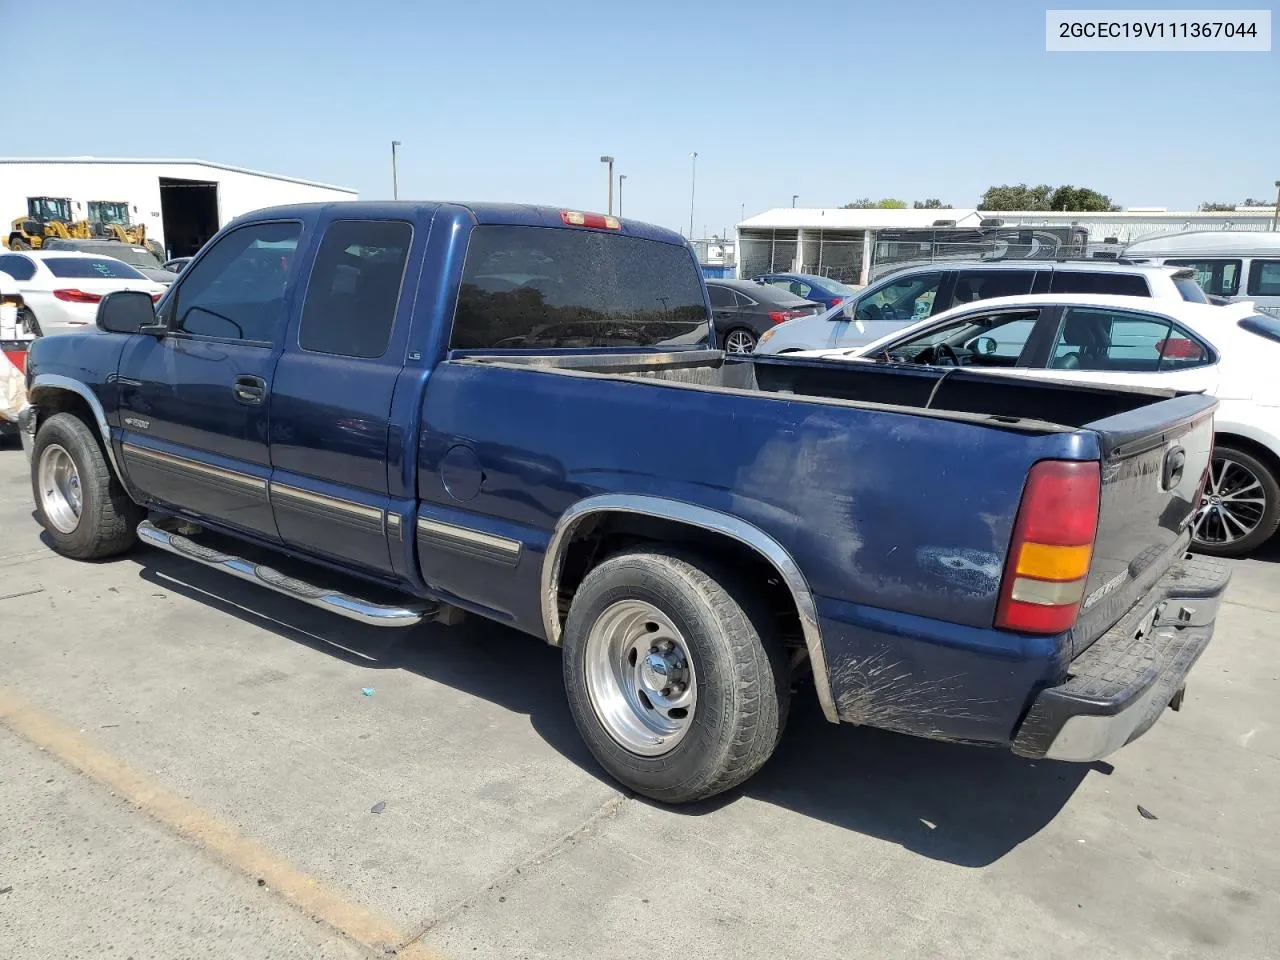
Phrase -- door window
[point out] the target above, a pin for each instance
(355, 288)
(901, 301)
(1218, 277)
(1264, 278)
(991, 339)
(236, 290)
(1081, 281)
(1108, 340)
(721, 297)
(974, 285)
(18, 267)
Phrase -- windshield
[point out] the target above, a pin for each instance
(95, 268)
(526, 287)
(50, 208)
(836, 287)
(102, 211)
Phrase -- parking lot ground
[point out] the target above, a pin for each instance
(170, 736)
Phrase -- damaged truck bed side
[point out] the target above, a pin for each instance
(511, 411)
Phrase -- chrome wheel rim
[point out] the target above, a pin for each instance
(640, 678)
(1233, 504)
(739, 341)
(60, 495)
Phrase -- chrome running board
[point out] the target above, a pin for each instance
(353, 608)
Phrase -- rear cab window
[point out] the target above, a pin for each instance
(530, 287)
(91, 268)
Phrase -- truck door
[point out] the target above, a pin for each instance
(194, 402)
(331, 398)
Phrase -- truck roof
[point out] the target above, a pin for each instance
(519, 214)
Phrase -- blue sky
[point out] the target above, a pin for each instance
(504, 100)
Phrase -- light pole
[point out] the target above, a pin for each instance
(621, 177)
(1275, 217)
(395, 184)
(794, 198)
(609, 161)
(693, 187)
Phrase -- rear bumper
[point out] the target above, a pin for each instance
(1122, 683)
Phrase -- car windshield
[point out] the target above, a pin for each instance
(836, 287)
(48, 208)
(95, 268)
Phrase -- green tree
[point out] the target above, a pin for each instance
(1250, 202)
(1016, 197)
(1218, 207)
(933, 203)
(866, 203)
(1080, 199)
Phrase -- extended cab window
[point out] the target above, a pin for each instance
(1218, 277)
(1090, 338)
(236, 290)
(355, 288)
(527, 287)
(1081, 281)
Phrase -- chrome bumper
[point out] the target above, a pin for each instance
(27, 428)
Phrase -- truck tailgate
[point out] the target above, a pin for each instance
(1153, 461)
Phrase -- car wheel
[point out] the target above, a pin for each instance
(19, 243)
(79, 502)
(675, 674)
(29, 322)
(1240, 508)
(739, 340)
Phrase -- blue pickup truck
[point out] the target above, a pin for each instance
(514, 412)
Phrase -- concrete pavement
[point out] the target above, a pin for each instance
(231, 726)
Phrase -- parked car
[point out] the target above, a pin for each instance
(140, 258)
(1230, 352)
(61, 289)
(914, 293)
(743, 310)
(1228, 264)
(950, 554)
(830, 293)
(177, 264)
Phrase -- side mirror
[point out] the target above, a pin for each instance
(128, 311)
(986, 346)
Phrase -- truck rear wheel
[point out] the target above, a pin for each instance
(79, 502)
(1240, 508)
(674, 673)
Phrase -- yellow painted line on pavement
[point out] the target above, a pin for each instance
(214, 836)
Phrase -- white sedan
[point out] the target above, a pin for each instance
(61, 290)
(1231, 352)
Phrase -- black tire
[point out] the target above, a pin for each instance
(744, 335)
(741, 667)
(29, 322)
(108, 519)
(19, 243)
(1267, 522)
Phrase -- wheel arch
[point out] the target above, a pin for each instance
(50, 394)
(1251, 442)
(638, 514)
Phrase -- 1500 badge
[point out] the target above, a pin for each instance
(137, 423)
(1109, 587)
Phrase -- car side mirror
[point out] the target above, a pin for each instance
(986, 346)
(128, 311)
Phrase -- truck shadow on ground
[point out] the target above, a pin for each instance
(964, 805)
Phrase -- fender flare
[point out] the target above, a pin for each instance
(50, 381)
(704, 518)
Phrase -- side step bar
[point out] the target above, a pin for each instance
(353, 608)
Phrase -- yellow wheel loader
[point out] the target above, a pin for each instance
(47, 218)
(110, 220)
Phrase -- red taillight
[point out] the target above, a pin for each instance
(18, 358)
(1180, 348)
(574, 218)
(1052, 547)
(836, 301)
(77, 296)
(782, 316)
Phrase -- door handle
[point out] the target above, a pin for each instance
(251, 390)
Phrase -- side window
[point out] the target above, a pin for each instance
(1264, 278)
(744, 302)
(800, 289)
(722, 297)
(972, 285)
(355, 288)
(1218, 277)
(1107, 340)
(1120, 284)
(992, 339)
(18, 267)
(904, 300)
(237, 289)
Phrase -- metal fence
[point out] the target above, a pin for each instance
(834, 256)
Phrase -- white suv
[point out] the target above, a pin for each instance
(915, 293)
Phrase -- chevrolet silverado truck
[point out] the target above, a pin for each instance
(514, 412)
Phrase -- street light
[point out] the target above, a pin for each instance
(395, 185)
(621, 177)
(794, 198)
(609, 161)
(693, 186)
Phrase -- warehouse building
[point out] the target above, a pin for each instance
(857, 246)
(181, 203)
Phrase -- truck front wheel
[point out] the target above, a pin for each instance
(79, 502)
(674, 673)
